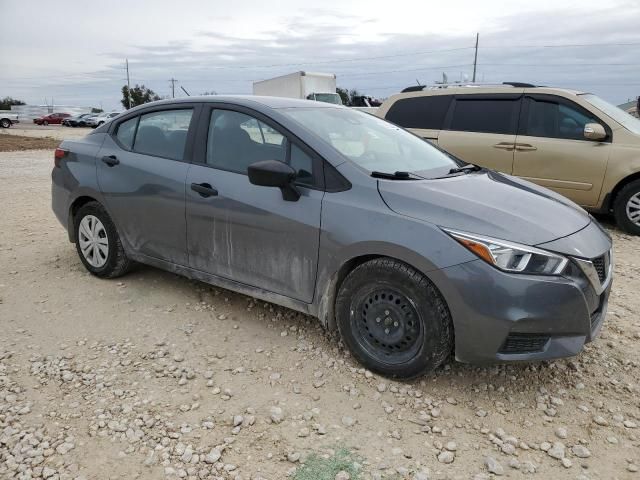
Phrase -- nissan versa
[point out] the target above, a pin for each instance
(410, 253)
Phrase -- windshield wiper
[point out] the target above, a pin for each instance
(396, 176)
(465, 169)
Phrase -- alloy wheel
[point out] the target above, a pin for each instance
(633, 209)
(93, 240)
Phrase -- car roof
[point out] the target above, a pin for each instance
(245, 100)
(484, 89)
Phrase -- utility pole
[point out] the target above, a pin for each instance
(475, 59)
(173, 87)
(128, 86)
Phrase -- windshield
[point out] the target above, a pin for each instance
(625, 119)
(372, 143)
(327, 98)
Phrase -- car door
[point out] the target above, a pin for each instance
(423, 115)
(481, 129)
(249, 233)
(142, 167)
(552, 151)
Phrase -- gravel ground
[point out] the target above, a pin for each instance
(57, 132)
(156, 376)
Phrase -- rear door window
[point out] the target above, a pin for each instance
(426, 112)
(485, 115)
(163, 134)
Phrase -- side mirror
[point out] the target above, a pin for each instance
(594, 131)
(272, 173)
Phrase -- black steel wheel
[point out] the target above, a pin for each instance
(388, 325)
(393, 319)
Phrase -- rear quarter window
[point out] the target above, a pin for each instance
(426, 112)
(126, 132)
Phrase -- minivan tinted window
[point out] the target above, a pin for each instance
(420, 112)
(485, 115)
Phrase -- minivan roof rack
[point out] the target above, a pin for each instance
(519, 84)
(419, 88)
(414, 88)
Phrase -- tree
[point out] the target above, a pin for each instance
(344, 95)
(139, 95)
(96, 110)
(6, 102)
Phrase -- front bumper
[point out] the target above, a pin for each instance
(499, 316)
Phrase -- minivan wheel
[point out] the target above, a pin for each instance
(626, 208)
(393, 319)
(98, 243)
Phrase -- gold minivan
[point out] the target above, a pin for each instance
(572, 142)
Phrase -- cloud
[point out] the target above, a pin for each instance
(372, 56)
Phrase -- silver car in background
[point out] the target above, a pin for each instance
(411, 254)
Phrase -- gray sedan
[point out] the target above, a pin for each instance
(411, 254)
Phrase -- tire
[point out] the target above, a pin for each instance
(626, 208)
(45, 123)
(393, 319)
(110, 262)
(5, 123)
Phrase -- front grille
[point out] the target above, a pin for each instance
(600, 266)
(524, 343)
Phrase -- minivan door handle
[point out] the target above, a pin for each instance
(111, 160)
(525, 147)
(504, 146)
(204, 189)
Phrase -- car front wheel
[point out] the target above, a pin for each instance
(45, 123)
(626, 208)
(98, 243)
(393, 319)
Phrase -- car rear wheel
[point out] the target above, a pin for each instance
(98, 243)
(393, 319)
(626, 208)
(5, 123)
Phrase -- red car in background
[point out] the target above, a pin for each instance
(51, 119)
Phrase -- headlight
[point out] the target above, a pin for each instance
(511, 257)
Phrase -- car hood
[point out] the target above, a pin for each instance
(487, 203)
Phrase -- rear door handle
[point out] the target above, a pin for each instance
(525, 147)
(504, 146)
(204, 189)
(111, 160)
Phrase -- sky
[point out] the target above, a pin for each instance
(74, 51)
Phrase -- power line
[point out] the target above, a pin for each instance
(365, 58)
(566, 45)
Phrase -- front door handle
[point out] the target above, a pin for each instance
(504, 146)
(525, 147)
(111, 160)
(204, 189)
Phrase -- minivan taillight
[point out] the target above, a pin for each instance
(59, 154)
